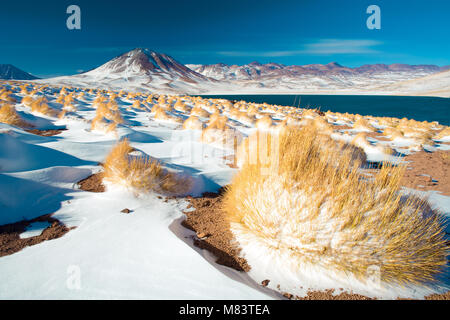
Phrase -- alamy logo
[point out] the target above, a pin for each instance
(374, 20)
(73, 22)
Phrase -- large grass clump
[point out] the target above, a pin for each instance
(309, 205)
(9, 115)
(107, 117)
(141, 173)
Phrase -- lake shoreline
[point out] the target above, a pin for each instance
(411, 107)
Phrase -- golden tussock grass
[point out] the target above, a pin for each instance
(9, 115)
(68, 104)
(444, 133)
(138, 105)
(393, 133)
(253, 110)
(150, 99)
(211, 108)
(246, 119)
(161, 114)
(98, 101)
(363, 124)
(311, 206)
(264, 123)
(161, 100)
(107, 117)
(219, 133)
(6, 96)
(27, 101)
(40, 105)
(60, 99)
(24, 90)
(100, 123)
(416, 133)
(69, 99)
(141, 173)
(217, 121)
(180, 106)
(234, 113)
(322, 125)
(360, 140)
(309, 113)
(163, 106)
(192, 123)
(386, 149)
(199, 112)
(155, 108)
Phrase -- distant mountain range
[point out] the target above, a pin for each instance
(9, 72)
(258, 71)
(146, 70)
(317, 78)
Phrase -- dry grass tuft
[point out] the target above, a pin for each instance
(141, 173)
(442, 134)
(180, 106)
(199, 112)
(6, 96)
(161, 114)
(311, 206)
(264, 123)
(138, 105)
(9, 115)
(219, 133)
(393, 133)
(107, 117)
(40, 106)
(27, 101)
(193, 123)
(363, 124)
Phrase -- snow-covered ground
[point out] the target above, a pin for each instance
(145, 254)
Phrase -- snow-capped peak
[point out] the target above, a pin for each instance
(142, 61)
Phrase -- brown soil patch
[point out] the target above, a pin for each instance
(93, 183)
(45, 133)
(213, 231)
(213, 234)
(341, 127)
(329, 295)
(444, 296)
(378, 136)
(10, 241)
(436, 167)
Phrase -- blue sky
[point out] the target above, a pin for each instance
(34, 36)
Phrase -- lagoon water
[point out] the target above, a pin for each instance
(418, 108)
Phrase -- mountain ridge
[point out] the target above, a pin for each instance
(256, 70)
(146, 70)
(139, 69)
(11, 72)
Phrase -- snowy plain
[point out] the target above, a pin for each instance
(146, 254)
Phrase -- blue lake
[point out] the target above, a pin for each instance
(418, 108)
